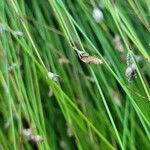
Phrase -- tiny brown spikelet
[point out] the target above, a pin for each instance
(86, 58)
(91, 60)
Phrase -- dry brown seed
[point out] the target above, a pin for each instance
(86, 58)
(91, 60)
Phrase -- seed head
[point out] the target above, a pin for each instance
(97, 14)
(53, 76)
(130, 73)
(29, 135)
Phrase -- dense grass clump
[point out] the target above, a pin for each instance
(75, 74)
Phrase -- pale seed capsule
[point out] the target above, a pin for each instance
(53, 76)
(98, 15)
(29, 135)
(36, 138)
